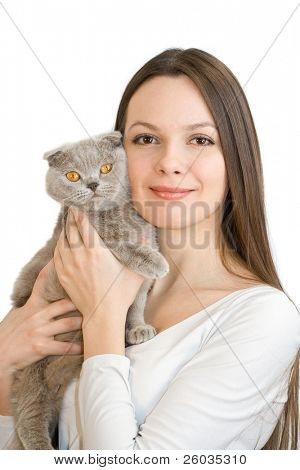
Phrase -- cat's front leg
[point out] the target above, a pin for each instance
(142, 259)
(136, 330)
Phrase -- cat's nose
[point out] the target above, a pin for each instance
(93, 186)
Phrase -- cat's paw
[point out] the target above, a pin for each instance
(162, 266)
(157, 267)
(140, 334)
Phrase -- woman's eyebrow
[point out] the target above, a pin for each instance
(189, 127)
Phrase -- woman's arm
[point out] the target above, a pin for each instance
(105, 334)
(6, 420)
(6, 371)
(228, 396)
(5, 385)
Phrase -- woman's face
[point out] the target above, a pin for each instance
(164, 152)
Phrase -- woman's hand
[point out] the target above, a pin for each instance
(27, 333)
(91, 275)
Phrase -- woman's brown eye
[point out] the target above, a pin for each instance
(144, 137)
(203, 140)
(147, 139)
(106, 168)
(73, 176)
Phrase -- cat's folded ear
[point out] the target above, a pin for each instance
(115, 138)
(54, 156)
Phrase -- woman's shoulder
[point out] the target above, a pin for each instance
(264, 297)
(256, 325)
(268, 299)
(268, 310)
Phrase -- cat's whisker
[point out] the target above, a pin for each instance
(80, 196)
(75, 197)
(78, 193)
(68, 198)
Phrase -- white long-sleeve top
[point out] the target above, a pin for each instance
(216, 380)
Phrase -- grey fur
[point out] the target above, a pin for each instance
(38, 389)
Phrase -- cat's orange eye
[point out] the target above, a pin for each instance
(73, 176)
(106, 168)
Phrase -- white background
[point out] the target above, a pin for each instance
(65, 65)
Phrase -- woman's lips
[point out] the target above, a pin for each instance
(169, 195)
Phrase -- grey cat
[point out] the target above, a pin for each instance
(92, 175)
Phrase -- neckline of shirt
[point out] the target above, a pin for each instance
(211, 306)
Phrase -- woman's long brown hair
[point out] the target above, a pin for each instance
(243, 235)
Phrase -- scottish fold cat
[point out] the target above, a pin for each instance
(92, 175)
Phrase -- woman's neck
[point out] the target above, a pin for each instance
(195, 261)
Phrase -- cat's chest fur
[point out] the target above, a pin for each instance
(122, 224)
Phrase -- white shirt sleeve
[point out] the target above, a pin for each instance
(228, 396)
(6, 430)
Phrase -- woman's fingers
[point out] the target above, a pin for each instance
(73, 234)
(57, 259)
(59, 307)
(63, 325)
(62, 252)
(62, 348)
(87, 232)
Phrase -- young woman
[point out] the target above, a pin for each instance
(222, 372)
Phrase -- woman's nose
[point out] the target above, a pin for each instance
(170, 162)
(168, 170)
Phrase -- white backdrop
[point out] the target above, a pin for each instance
(64, 67)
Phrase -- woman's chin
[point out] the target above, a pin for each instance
(163, 221)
